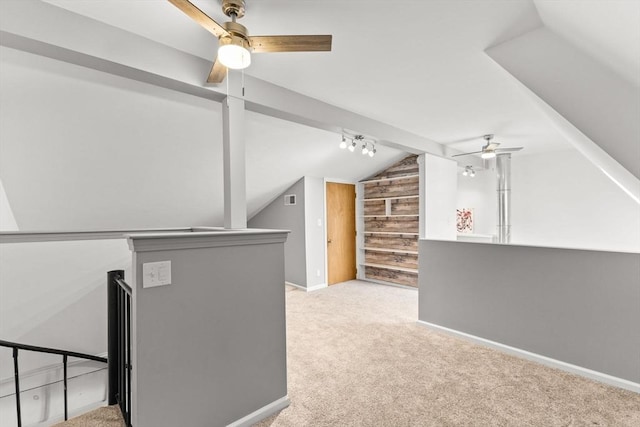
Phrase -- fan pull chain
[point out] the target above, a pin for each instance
(243, 83)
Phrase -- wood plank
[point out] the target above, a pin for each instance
(406, 166)
(392, 259)
(405, 206)
(391, 276)
(397, 224)
(374, 207)
(399, 187)
(393, 198)
(391, 241)
(401, 251)
(387, 179)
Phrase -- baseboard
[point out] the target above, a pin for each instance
(307, 289)
(262, 413)
(544, 360)
(316, 287)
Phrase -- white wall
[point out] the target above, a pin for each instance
(479, 193)
(589, 94)
(438, 184)
(53, 294)
(80, 149)
(561, 199)
(7, 220)
(315, 234)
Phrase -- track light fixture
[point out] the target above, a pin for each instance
(468, 171)
(368, 146)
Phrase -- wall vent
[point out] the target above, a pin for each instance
(290, 199)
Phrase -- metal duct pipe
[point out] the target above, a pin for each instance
(503, 172)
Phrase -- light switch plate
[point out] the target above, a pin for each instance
(156, 274)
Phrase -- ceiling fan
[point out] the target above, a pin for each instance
(235, 43)
(490, 149)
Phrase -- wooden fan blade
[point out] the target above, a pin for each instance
(491, 146)
(200, 17)
(466, 154)
(218, 72)
(261, 44)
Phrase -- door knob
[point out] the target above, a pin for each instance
(329, 241)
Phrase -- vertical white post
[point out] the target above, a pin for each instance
(438, 198)
(233, 146)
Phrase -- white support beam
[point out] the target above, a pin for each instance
(35, 27)
(233, 148)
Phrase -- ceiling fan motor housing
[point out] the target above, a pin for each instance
(239, 35)
(233, 7)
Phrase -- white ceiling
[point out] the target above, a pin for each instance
(417, 65)
(609, 31)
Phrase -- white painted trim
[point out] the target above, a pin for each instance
(206, 239)
(304, 288)
(534, 357)
(307, 289)
(262, 413)
(340, 181)
(316, 287)
(56, 236)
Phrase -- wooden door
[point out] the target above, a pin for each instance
(341, 232)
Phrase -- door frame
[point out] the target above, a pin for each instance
(326, 231)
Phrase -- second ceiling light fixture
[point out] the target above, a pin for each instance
(352, 142)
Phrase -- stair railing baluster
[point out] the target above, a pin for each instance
(66, 403)
(119, 332)
(17, 383)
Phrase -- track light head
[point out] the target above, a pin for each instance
(365, 149)
(343, 143)
(352, 146)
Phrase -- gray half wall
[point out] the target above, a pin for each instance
(209, 348)
(576, 306)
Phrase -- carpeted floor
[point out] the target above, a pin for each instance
(356, 357)
(107, 416)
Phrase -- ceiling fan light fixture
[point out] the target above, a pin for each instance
(488, 155)
(233, 54)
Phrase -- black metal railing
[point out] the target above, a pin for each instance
(65, 357)
(119, 342)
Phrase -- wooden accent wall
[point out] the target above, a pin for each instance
(391, 216)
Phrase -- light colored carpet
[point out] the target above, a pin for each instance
(356, 357)
(106, 416)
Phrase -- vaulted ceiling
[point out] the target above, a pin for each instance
(417, 65)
